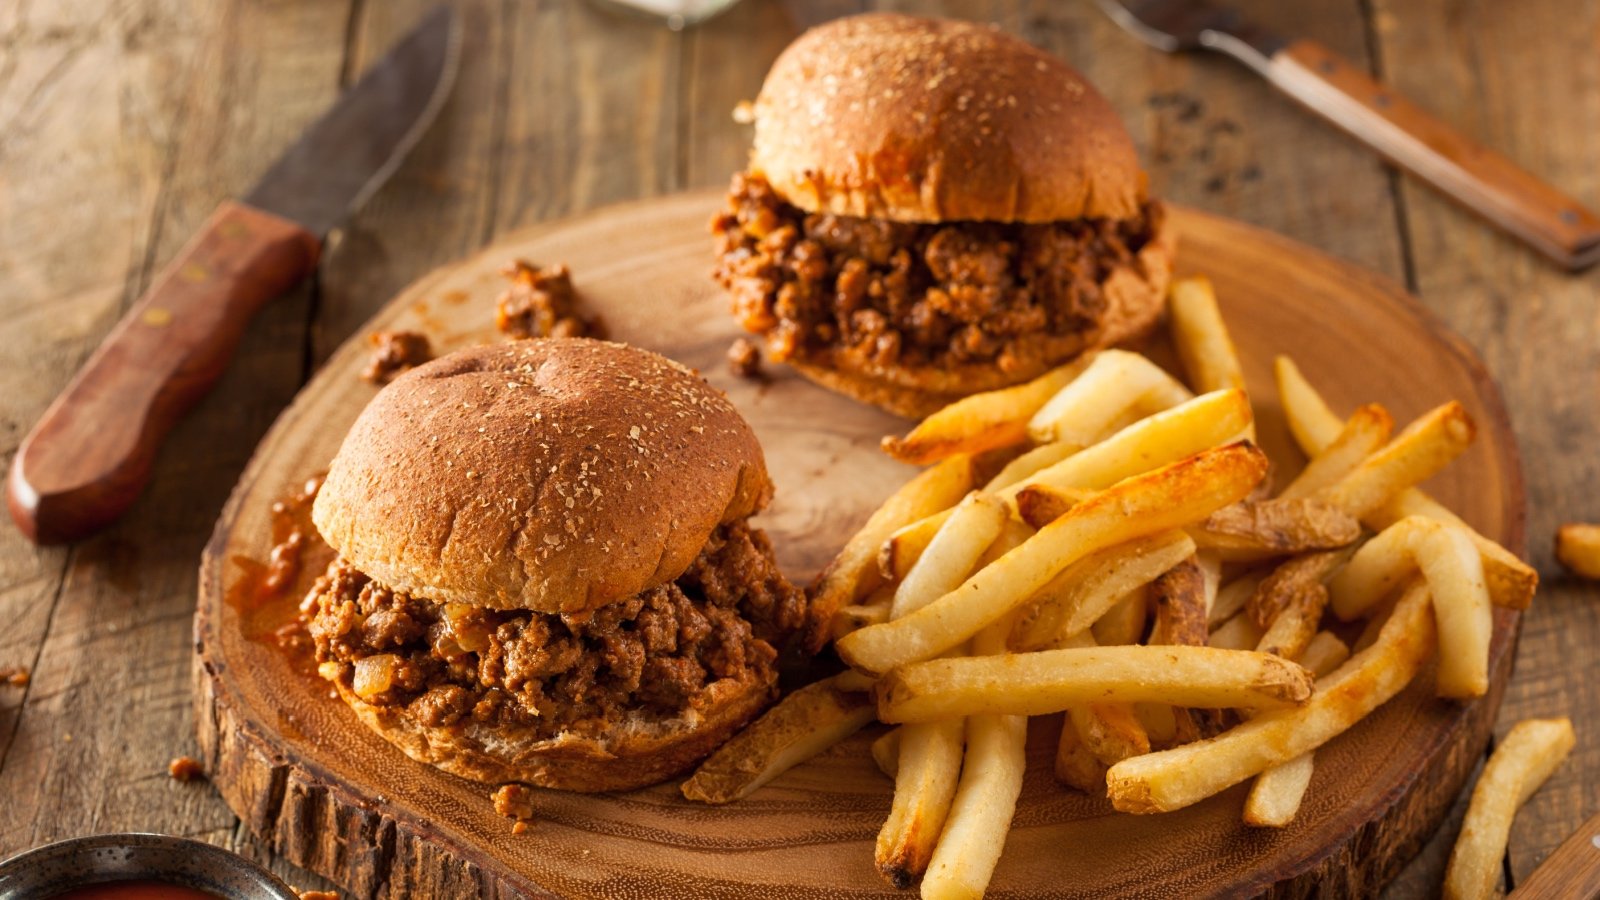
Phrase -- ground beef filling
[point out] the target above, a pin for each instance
(655, 652)
(906, 294)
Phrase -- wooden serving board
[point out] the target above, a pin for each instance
(333, 797)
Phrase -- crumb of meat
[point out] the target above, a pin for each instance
(744, 358)
(883, 293)
(16, 676)
(186, 769)
(514, 801)
(394, 352)
(656, 653)
(541, 302)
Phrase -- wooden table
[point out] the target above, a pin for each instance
(123, 124)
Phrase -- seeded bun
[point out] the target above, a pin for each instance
(635, 752)
(553, 475)
(929, 120)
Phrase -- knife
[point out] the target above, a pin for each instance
(91, 454)
(1336, 89)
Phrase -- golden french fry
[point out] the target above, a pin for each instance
(1414, 455)
(854, 573)
(1202, 339)
(1296, 624)
(1179, 599)
(1449, 562)
(1578, 548)
(1123, 623)
(1203, 423)
(1013, 534)
(1238, 633)
(1531, 751)
(1035, 684)
(1512, 582)
(799, 727)
(1159, 725)
(1025, 466)
(1039, 505)
(1324, 654)
(1173, 779)
(871, 611)
(1257, 528)
(927, 770)
(1233, 596)
(1110, 732)
(1075, 766)
(1109, 387)
(886, 751)
(1275, 797)
(982, 421)
(1086, 591)
(950, 556)
(1290, 581)
(980, 817)
(1170, 497)
(1366, 431)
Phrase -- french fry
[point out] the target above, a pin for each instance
(1035, 684)
(980, 816)
(1167, 498)
(1296, 624)
(1204, 346)
(1324, 654)
(1275, 797)
(1086, 591)
(1511, 581)
(1111, 385)
(1159, 725)
(854, 573)
(1531, 751)
(799, 727)
(1013, 534)
(1039, 505)
(1179, 599)
(1233, 596)
(1367, 430)
(1123, 623)
(950, 556)
(1110, 732)
(886, 752)
(870, 611)
(927, 770)
(1449, 562)
(983, 421)
(1075, 766)
(1578, 548)
(1290, 581)
(1257, 528)
(1238, 633)
(1414, 455)
(1028, 464)
(1176, 778)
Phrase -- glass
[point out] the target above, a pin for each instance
(676, 13)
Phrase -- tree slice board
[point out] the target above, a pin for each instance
(333, 797)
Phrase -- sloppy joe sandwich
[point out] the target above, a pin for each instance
(934, 208)
(546, 571)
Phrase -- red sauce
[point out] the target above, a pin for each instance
(266, 593)
(136, 889)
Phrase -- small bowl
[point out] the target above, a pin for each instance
(55, 868)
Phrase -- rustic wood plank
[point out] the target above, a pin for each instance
(224, 88)
(1524, 79)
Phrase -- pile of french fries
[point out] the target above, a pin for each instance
(1104, 542)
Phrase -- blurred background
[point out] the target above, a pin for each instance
(124, 124)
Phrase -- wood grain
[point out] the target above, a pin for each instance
(330, 795)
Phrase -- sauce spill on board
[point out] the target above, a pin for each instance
(266, 593)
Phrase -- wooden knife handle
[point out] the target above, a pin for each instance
(1477, 177)
(90, 456)
(1573, 870)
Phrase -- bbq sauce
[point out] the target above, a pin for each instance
(136, 889)
(266, 593)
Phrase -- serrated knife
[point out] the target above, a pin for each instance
(91, 454)
(1483, 181)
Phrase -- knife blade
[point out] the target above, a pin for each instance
(1483, 181)
(91, 454)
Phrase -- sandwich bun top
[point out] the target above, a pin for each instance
(555, 475)
(930, 120)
